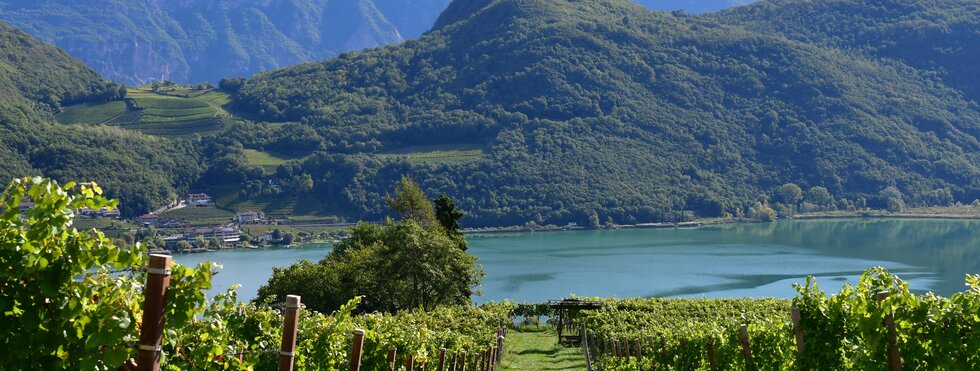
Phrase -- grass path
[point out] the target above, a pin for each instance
(537, 349)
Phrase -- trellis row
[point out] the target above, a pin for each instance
(151, 333)
(621, 348)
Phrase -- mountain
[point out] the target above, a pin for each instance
(598, 109)
(139, 41)
(940, 37)
(37, 80)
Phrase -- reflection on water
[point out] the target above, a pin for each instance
(720, 261)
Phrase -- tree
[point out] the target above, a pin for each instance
(397, 265)
(789, 194)
(449, 216)
(410, 203)
(231, 85)
(184, 246)
(762, 212)
(819, 196)
(892, 199)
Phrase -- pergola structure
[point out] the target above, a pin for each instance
(568, 309)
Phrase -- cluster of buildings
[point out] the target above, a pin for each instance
(225, 235)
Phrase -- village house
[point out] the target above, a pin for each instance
(226, 235)
(172, 223)
(265, 237)
(249, 217)
(148, 220)
(199, 199)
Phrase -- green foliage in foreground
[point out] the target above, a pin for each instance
(72, 300)
(845, 331)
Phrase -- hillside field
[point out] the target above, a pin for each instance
(177, 110)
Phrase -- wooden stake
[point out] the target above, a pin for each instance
(287, 348)
(626, 348)
(154, 303)
(392, 354)
(712, 364)
(585, 349)
(894, 356)
(462, 355)
(743, 337)
(638, 348)
(442, 359)
(410, 363)
(798, 331)
(357, 346)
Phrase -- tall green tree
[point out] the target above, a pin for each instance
(410, 203)
(394, 266)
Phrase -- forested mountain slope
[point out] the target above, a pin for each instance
(940, 36)
(138, 41)
(36, 80)
(598, 109)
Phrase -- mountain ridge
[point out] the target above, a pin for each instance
(712, 115)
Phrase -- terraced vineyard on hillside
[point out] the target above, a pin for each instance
(169, 111)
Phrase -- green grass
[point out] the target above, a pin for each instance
(199, 215)
(438, 154)
(267, 160)
(91, 113)
(537, 349)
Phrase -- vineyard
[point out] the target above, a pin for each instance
(876, 325)
(72, 299)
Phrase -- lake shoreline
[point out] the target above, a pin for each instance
(942, 213)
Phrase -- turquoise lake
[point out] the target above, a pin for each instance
(734, 260)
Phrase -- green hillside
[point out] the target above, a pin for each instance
(598, 110)
(38, 80)
(939, 36)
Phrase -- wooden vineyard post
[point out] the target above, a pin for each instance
(357, 346)
(410, 363)
(894, 357)
(493, 358)
(638, 348)
(483, 360)
(615, 347)
(626, 348)
(442, 359)
(154, 303)
(712, 364)
(462, 356)
(585, 349)
(798, 331)
(452, 363)
(743, 338)
(593, 347)
(287, 348)
(392, 354)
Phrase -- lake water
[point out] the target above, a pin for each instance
(757, 260)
